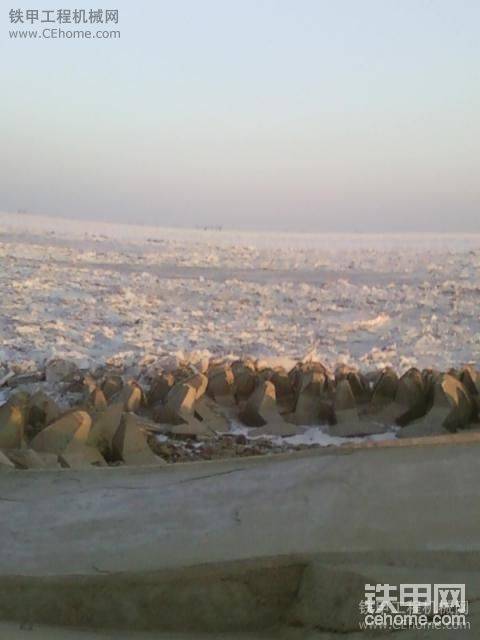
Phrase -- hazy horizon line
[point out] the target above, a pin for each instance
(218, 226)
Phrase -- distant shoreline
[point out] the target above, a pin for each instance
(216, 227)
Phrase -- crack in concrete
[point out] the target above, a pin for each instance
(102, 571)
(211, 475)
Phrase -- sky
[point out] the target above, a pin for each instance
(318, 115)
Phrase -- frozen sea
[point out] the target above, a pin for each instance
(136, 295)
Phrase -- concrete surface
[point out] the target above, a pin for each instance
(13, 631)
(223, 546)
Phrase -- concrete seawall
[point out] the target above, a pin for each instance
(226, 545)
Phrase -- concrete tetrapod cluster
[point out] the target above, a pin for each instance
(113, 421)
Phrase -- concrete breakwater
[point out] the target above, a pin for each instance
(100, 530)
(63, 416)
(285, 541)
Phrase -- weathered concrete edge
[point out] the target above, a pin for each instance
(469, 438)
(247, 595)
(241, 595)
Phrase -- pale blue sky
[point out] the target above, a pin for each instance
(355, 115)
